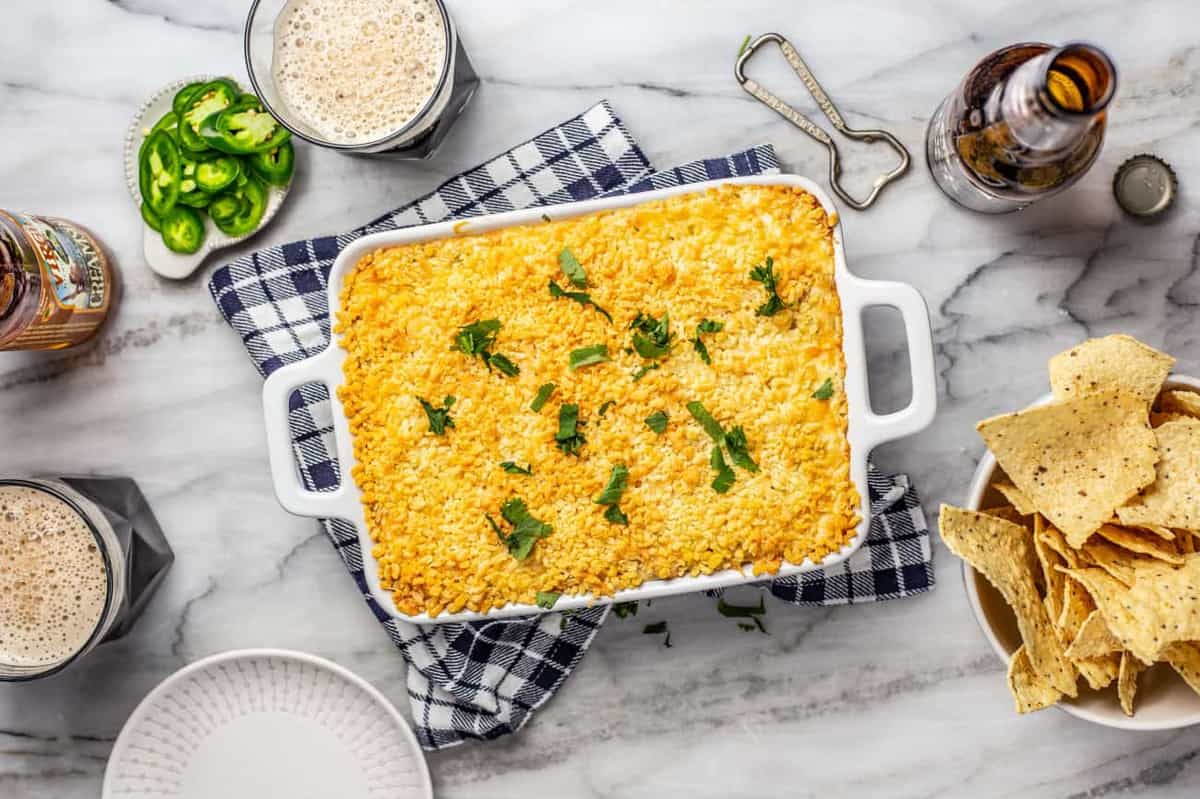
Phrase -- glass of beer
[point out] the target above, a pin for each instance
(62, 577)
(368, 77)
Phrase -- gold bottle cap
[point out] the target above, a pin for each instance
(1145, 186)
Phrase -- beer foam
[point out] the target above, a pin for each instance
(53, 581)
(357, 70)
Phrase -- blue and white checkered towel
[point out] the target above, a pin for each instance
(484, 679)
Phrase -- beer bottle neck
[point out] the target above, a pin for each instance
(1052, 100)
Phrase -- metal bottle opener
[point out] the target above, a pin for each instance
(812, 129)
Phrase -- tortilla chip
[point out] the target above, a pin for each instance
(1094, 639)
(1006, 512)
(1053, 538)
(1016, 498)
(1158, 419)
(1077, 461)
(1053, 581)
(1160, 608)
(1112, 362)
(1135, 541)
(1116, 561)
(1181, 403)
(1187, 543)
(1173, 500)
(1099, 671)
(1127, 681)
(1002, 552)
(1165, 533)
(1030, 690)
(1185, 659)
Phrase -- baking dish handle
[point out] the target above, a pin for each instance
(921, 408)
(277, 391)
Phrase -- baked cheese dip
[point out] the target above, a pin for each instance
(581, 406)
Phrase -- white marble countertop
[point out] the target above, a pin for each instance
(898, 699)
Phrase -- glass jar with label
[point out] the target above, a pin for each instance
(56, 283)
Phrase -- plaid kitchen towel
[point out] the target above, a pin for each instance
(481, 680)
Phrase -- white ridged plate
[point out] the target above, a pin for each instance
(158, 257)
(261, 723)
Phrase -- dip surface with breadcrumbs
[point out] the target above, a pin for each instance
(702, 428)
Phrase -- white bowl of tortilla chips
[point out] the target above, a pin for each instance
(1085, 515)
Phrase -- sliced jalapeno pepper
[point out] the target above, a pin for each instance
(183, 230)
(209, 99)
(253, 204)
(159, 172)
(224, 207)
(151, 218)
(184, 97)
(243, 128)
(214, 174)
(274, 166)
(193, 198)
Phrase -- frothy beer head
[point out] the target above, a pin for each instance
(358, 70)
(53, 580)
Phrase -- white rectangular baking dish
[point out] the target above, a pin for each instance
(866, 428)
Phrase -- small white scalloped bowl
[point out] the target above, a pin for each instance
(1163, 701)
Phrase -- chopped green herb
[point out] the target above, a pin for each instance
(705, 326)
(657, 628)
(615, 515)
(572, 268)
(741, 611)
(745, 42)
(617, 481)
(652, 339)
(765, 274)
(706, 420)
(477, 337)
(825, 391)
(739, 453)
(581, 297)
(725, 476)
(439, 418)
(587, 356)
(513, 468)
(526, 530)
(502, 364)
(657, 422)
(543, 393)
(568, 438)
(607, 404)
(546, 599)
(625, 609)
(641, 371)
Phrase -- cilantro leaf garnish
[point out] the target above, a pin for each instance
(514, 468)
(615, 515)
(477, 337)
(657, 422)
(587, 356)
(476, 340)
(543, 393)
(439, 418)
(581, 297)
(607, 404)
(625, 609)
(617, 481)
(641, 371)
(706, 420)
(526, 530)
(657, 628)
(825, 391)
(725, 476)
(765, 274)
(741, 611)
(705, 326)
(572, 268)
(735, 442)
(652, 339)
(569, 438)
(546, 599)
(502, 364)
